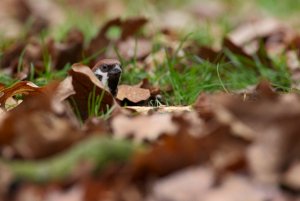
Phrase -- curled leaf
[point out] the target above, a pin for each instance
(91, 97)
(23, 87)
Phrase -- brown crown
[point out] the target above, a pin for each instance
(106, 61)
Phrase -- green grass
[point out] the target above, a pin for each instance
(190, 75)
(187, 76)
(280, 8)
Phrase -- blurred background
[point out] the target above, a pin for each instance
(155, 40)
(209, 19)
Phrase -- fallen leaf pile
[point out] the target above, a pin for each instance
(217, 148)
(72, 140)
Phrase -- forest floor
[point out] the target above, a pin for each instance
(207, 107)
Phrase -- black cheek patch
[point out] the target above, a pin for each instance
(99, 77)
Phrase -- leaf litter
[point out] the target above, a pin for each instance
(72, 140)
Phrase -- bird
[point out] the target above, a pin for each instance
(108, 71)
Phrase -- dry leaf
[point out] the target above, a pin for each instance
(173, 152)
(291, 178)
(39, 9)
(87, 85)
(143, 127)
(187, 184)
(161, 109)
(76, 193)
(208, 10)
(174, 20)
(254, 30)
(38, 127)
(236, 49)
(133, 49)
(23, 87)
(128, 28)
(209, 54)
(65, 89)
(13, 13)
(203, 106)
(275, 125)
(235, 187)
(30, 193)
(10, 56)
(68, 51)
(145, 84)
(132, 93)
(5, 180)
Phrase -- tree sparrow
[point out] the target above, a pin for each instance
(108, 71)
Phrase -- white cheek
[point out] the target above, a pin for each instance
(104, 76)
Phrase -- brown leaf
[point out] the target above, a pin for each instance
(76, 193)
(253, 30)
(291, 177)
(133, 49)
(145, 84)
(65, 89)
(167, 155)
(275, 126)
(13, 14)
(132, 93)
(187, 184)
(160, 109)
(152, 126)
(95, 125)
(294, 43)
(128, 28)
(234, 48)
(2, 86)
(293, 63)
(30, 192)
(173, 152)
(38, 9)
(2, 113)
(16, 13)
(209, 10)
(262, 90)
(5, 180)
(32, 54)
(249, 52)
(100, 42)
(10, 56)
(143, 127)
(174, 20)
(95, 7)
(68, 51)
(85, 82)
(97, 189)
(236, 187)
(38, 127)
(209, 54)
(23, 87)
(292, 60)
(203, 106)
(264, 38)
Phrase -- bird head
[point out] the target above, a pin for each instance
(108, 71)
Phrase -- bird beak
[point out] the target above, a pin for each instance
(116, 70)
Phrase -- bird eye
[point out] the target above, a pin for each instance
(104, 67)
